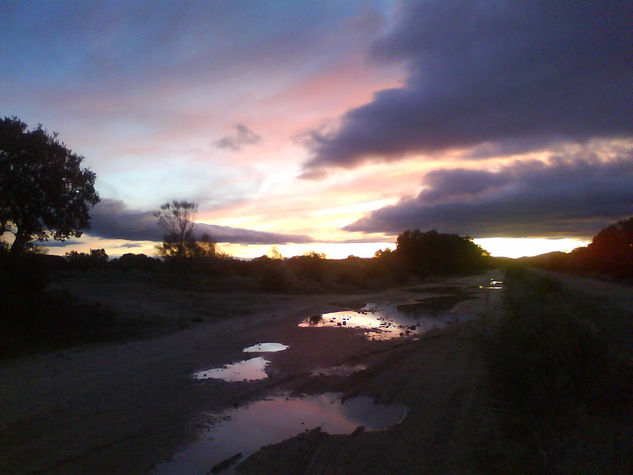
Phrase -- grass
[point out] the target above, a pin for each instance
(562, 373)
(34, 319)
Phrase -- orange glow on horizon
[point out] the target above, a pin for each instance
(497, 247)
(525, 247)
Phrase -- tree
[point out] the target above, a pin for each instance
(438, 253)
(275, 253)
(610, 251)
(177, 220)
(44, 192)
(82, 260)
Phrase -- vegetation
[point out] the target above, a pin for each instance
(34, 317)
(610, 253)
(423, 253)
(177, 218)
(44, 192)
(193, 263)
(560, 370)
(81, 260)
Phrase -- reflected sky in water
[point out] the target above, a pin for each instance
(265, 348)
(493, 285)
(244, 430)
(387, 321)
(247, 370)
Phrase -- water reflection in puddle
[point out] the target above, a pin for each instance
(493, 285)
(384, 322)
(342, 370)
(244, 430)
(247, 370)
(265, 348)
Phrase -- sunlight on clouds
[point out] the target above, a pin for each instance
(354, 208)
(521, 247)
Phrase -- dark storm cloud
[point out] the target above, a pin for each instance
(494, 75)
(112, 219)
(532, 198)
(242, 136)
(130, 245)
(68, 242)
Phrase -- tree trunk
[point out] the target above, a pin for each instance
(20, 242)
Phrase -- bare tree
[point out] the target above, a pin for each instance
(177, 218)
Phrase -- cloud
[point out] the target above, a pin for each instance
(112, 219)
(248, 236)
(130, 245)
(243, 136)
(563, 196)
(492, 75)
(51, 243)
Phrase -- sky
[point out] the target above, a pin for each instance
(334, 125)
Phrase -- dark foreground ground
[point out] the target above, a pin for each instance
(127, 407)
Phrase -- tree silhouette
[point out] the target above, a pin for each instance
(610, 251)
(177, 218)
(432, 252)
(44, 192)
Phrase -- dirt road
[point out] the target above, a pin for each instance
(123, 408)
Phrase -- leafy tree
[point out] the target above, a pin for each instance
(82, 260)
(130, 261)
(309, 266)
(44, 192)
(610, 251)
(438, 253)
(177, 218)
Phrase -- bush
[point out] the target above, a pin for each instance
(438, 253)
(548, 354)
(81, 260)
(310, 266)
(131, 261)
(562, 387)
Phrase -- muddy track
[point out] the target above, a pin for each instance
(126, 407)
(442, 381)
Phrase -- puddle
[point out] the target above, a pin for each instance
(385, 322)
(247, 370)
(493, 285)
(265, 348)
(342, 370)
(246, 429)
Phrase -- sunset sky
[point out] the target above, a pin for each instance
(334, 125)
